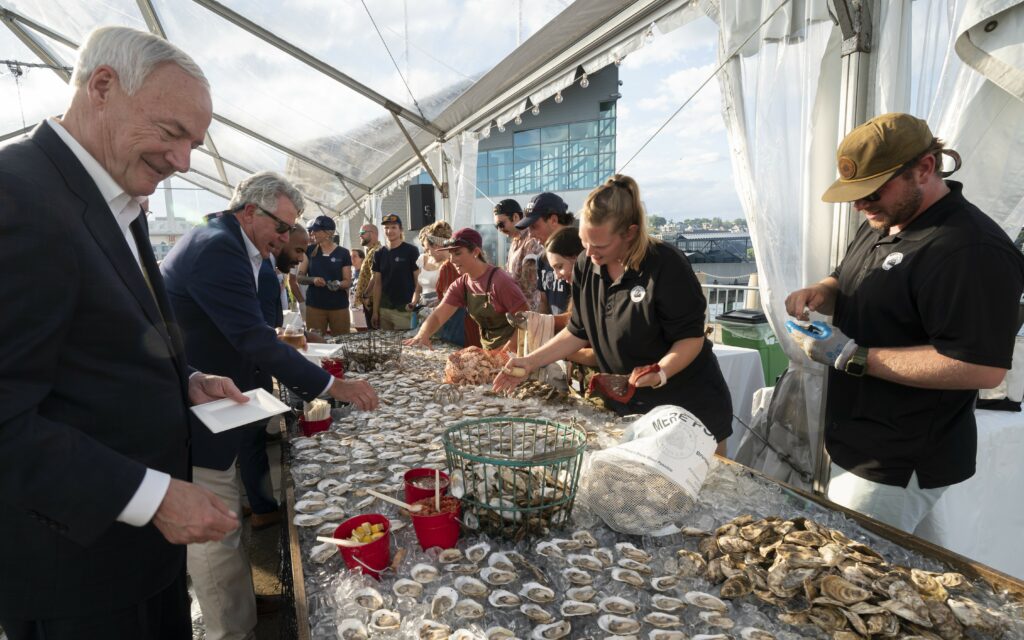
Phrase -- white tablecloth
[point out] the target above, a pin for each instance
(743, 373)
(983, 517)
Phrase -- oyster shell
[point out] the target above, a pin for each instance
(462, 568)
(663, 620)
(431, 630)
(321, 553)
(736, 586)
(618, 625)
(499, 633)
(582, 561)
(449, 556)
(585, 538)
(385, 620)
(664, 583)
(842, 590)
(633, 565)
(552, 631)
(494, 576)
(753, 633)
(928, 585)
(629, 550)
(577, 608)
(501, 561)
(424, 573)
(666, 634)
(585, 593)
(567, 544)
(443, 601)
(666, 603)
(477, 552)
(716, 619)
(617, 605)
(537, 592)
(705, 601)
(501, 598)
(469, 586)
(407, 588)
(605, 555)
(578, 576)
(352, 629)
(469, 609)
(628, 576)
(971, 614)
(548, 549)
(690, 563)
(307, 520)
(536, 613)
(368, 598)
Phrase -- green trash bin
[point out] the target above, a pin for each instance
(749, 328)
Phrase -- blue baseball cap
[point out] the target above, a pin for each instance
(322, 223)
(542, 206)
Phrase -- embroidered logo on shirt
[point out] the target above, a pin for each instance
(637, 293)
(892, 260)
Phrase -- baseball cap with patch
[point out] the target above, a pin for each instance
(391, 218)
(541, 206)
(873, 152)
(467, 237)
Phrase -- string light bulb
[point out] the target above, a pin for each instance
(536, 110)
(559, 98)
(519, 119)
(501, 128)
(584, 82)
(486, 133)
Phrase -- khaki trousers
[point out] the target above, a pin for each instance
(900, 507)
(220, 571)
(393, 319)
(338, 320)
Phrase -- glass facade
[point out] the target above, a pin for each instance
(559, 157)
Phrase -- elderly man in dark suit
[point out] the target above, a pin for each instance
(94, 386)
(211, 276)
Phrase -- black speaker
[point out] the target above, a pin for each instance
(421, 206)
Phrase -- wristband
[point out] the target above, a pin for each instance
(663, 379)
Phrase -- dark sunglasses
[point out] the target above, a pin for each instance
(282, 226)
(877, 194)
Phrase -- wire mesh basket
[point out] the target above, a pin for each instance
(518, 476)
(370, 350)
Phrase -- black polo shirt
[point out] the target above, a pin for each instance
(635, 320)
(952, 279)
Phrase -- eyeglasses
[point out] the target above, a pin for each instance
(877, 194)
(363, 232)
(500, 226)
(282, 226)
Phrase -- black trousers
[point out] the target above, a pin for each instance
(164, 616)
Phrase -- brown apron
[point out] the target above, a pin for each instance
(495, 330)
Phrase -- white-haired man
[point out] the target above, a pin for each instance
(211, 276)
(94, 385)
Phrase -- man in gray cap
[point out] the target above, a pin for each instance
(924, 310)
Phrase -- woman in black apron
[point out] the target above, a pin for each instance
(638, 303)
(485, 291)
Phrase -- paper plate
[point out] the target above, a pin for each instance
(221, 415)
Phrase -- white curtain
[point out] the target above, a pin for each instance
(959, 64)
(780, 97)
(460, 154)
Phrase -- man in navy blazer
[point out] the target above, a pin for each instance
(94, 388)
(211, 276)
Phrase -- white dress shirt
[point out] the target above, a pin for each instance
(125, 209)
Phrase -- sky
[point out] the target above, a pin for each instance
(683, 173)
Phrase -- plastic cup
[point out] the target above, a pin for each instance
(309, 427)
(414, 493)
(439, 530)
(372, 557)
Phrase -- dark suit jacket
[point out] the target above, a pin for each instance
(93, 389)
(210, 284)
(270, 294)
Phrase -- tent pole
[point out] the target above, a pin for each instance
(855, 20)
(441, 186)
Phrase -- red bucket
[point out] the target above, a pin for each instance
(372, 557)
(438, 529)
(414, 493)
(333, 366)
(309, 427)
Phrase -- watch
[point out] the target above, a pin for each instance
(857, 365)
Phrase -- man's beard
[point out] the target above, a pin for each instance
(900, 213)
(364, 241)
(285, 263)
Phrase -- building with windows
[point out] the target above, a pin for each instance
(567, 147)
